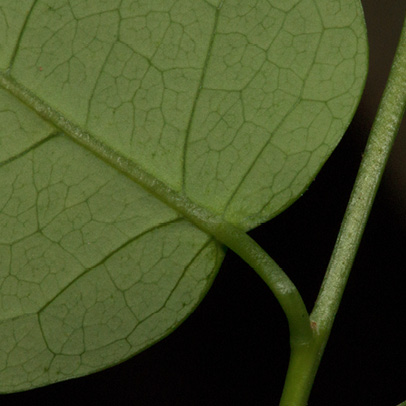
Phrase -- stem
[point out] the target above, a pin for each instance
(383, 133)
(282, 287)
(303, 365)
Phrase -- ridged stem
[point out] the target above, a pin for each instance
(304, 362)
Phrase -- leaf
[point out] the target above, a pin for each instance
(121, 118)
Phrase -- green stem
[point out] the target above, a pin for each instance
(301, 372)
(304, 363)
(376, 154)
(282, 287)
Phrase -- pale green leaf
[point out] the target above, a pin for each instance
(111, 113)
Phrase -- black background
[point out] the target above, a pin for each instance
(234, 348)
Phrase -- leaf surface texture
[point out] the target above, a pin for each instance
(233, 105)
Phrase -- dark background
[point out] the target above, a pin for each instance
(234, 348)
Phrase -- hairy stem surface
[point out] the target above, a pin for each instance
(304, 361)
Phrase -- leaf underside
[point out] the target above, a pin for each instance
(234, 105)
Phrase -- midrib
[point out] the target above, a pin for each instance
(201, 217)
(226, 233)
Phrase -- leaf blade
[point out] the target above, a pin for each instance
(105, 259)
